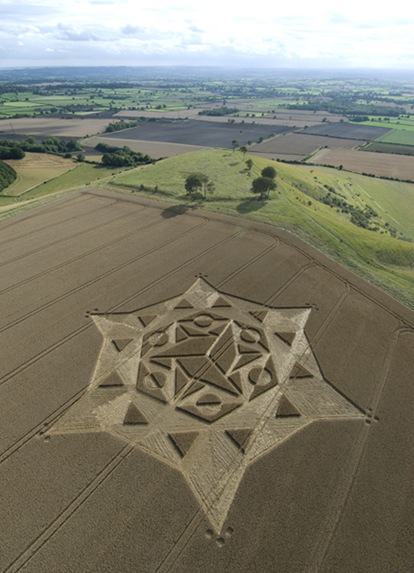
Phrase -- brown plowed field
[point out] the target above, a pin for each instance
(299, 145)
(347, 130)
(368, 162)
(192, 132)
(155, 149)
(182, 392)
(49, 127)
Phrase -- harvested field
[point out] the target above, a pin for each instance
(298, 144)
(305, 115)
(281, 118)
(130, 388)
(273, 107)
(34, 169)
(192, 132)
(49, 127)
(347, 131)
(155, 149)
(378, 164)
(178, 114)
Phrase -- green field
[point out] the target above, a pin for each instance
(398, 136)
(393, 123)
(96, 100)
(295, 206)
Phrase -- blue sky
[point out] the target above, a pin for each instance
(192, 32)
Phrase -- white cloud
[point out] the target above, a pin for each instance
(356, 33)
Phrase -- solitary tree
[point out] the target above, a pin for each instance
(249, 164)
(269, 172)
(243, 149)
(198, 182)
(262, 186)
(234, 144)
(193, 184)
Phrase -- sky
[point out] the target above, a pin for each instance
(259, 33)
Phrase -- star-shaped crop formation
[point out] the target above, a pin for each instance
(208, 383)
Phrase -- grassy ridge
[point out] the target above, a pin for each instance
(83, 174)
(296, 206)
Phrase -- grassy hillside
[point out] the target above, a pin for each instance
(297, 205)
(32, 184)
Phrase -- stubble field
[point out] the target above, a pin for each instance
(378, 164)
(49, 127)
(34, 169)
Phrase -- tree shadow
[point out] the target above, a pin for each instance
(250, 204)
(182, 208)
(175, 210)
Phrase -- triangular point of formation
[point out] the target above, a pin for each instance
(183, 441)
(240, 437)
(121, 343)
(134, 416)
(286, 409)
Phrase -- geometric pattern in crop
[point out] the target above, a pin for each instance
(207, 383)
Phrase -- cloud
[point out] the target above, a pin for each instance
(125, 32)
(18, 12)
(130, 30)
(65, 32)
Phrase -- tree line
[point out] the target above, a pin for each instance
(122, 156)
(16, 149)
(7, 175)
